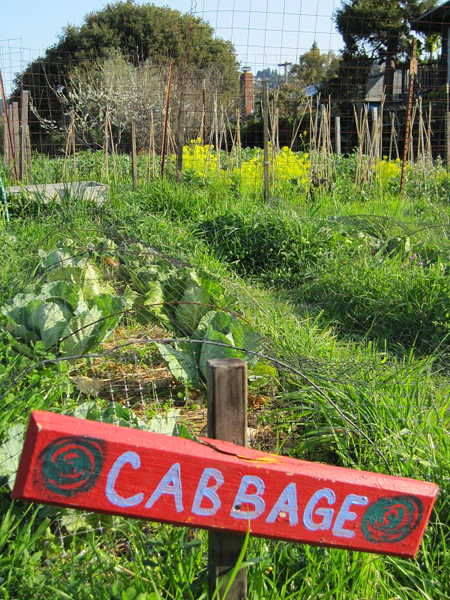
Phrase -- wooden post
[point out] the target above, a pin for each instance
(337, 122)
(106, 145)
(25, 150)
(227, 420)
(266, 141)
(180, 140)
(375, 132)
(166, 118)
(413, 69)
(74, 144)
(6, 150)
(203, 126)
(134, 155)
(8, 127)
(16, 133)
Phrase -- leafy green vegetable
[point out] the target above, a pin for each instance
(10, 452)
(72, 315)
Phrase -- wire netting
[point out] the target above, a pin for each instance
(113, 323)
(337, 88)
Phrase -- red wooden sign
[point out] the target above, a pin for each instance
(217, 485)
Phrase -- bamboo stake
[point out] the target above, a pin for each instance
(75, 170)
(413, 68)
(180, 141)
(166, 118)
(113, 149)
(216, 133)
(203, 125)
(134, 156)
(106, 146)
(151, 163)
(429, 149)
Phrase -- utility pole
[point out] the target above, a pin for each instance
(286, 72)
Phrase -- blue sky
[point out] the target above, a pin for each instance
(264, 32)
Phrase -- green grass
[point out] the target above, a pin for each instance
(350, 288)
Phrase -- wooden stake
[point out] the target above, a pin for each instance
(113, 150)
(203, 126)
(151, 163)
(8, 125)
(16, 133)
(166, 118)
(413, 68)
(391, 141)
(375, 131)
(216, 133)
(180, 140)
(227, 420)
(106, 145)
(74, 145)
(266, 141)
(337, 122)
(25, 150)
(134, 155)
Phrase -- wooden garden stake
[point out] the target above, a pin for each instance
(166, 118)
(25, 150)
(413, 70)
(151, 162)
(337, 122)
(8, 129)
(227, 420)
(203, 126)
(266, 141)
(180, 140)
(134, 156)
(106, 146)
(113, 151)
(74, 144)
(16, 132)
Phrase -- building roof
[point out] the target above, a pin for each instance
(435, 20)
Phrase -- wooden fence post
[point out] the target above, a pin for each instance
(9, 155)
(134, 156)
(337, 121)
(227, 420)
(16, 134)
(25, 150)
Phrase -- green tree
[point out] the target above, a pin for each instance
(379, 29)
(315, 67)
(141, 33)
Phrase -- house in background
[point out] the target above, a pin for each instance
(433, 75)
(436, 21)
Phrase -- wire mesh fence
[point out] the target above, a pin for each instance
(115, 325)
(327, 99)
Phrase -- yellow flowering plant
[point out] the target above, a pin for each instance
(288, 169)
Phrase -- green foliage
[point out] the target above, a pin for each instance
(71, 311)
(315, 67)
(384, 26)
(377, 30)
(358, 303)
(140, 32)
(186, 302)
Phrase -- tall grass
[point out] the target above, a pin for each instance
(349, 287)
